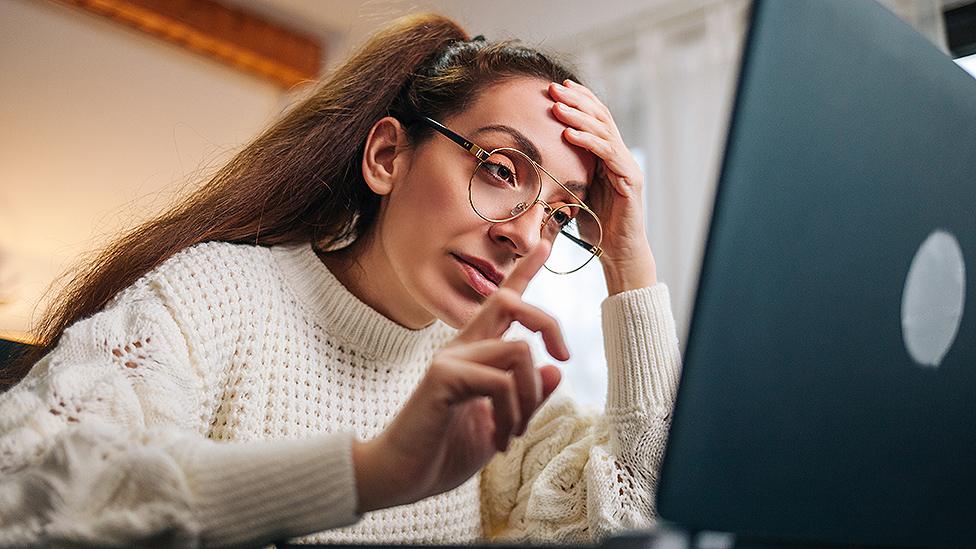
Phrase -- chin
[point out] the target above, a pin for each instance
(456, 308)
(458, 314)
(455, 303)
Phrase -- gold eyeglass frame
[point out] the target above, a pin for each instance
(482, 156)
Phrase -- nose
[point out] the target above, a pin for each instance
(522, 233)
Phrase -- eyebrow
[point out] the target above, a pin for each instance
(576, 187)
(525, 145)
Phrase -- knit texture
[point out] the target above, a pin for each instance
(215, 402)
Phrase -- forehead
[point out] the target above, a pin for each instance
(523, 106)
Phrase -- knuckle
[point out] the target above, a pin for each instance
(555, 328)
(508, 297)
(497, 384)
(436, 370)
(508, 384)
(548, 321)
(445, 351)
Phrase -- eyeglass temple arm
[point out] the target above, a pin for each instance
(477, 151)
(595, 250)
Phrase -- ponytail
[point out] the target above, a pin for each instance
(297, 181)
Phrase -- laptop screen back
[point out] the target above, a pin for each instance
(827, 394)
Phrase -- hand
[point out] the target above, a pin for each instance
(448, 430)
(617, 192)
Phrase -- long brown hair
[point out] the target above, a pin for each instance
(300, 180)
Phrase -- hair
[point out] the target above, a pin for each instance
(300, 180)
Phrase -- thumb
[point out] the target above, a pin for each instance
(550, 379)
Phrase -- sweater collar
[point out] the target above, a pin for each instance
(346, 317)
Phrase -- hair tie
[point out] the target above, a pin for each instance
(479, 38)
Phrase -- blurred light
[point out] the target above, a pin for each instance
(968, 63)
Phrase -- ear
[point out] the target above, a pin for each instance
(386, 156)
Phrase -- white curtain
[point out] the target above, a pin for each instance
(669, 81)
(667, 76)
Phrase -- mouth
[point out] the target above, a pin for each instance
(480, 275)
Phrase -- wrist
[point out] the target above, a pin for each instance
(374, 491)
(630, 271)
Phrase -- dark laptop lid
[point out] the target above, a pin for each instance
(820, 400)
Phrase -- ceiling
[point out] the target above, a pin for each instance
(343, 24)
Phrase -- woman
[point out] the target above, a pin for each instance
(314, 337)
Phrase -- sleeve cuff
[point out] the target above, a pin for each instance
(257, 492)
(643, 356)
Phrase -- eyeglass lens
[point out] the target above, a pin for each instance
(507, 183)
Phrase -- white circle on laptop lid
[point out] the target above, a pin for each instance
(933, 299)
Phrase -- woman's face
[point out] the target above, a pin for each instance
(427, 225)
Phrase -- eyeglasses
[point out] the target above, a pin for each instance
(506, 183)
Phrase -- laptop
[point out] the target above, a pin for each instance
(829, 385)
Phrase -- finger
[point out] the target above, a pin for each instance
(601, 108)
(506, 307)
(469, 379)
(539, 321)
(572, 84)
(586, 103)
(580, 120)
(594, 143)
(527, 267)
(602, 148)
(513, 356)
(551, 376)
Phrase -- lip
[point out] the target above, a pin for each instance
(475, 278)
(486, 268)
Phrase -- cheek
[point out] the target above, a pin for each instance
(436, 208)
(424, 221)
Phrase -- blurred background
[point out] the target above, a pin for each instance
(110, 110)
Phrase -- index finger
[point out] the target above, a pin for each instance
(525, 269)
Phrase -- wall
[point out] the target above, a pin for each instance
(100, 128)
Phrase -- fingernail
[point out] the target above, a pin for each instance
(559, 86)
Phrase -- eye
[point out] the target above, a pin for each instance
(562, 218)
(501, 172)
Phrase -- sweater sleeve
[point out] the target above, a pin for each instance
(578, 476)
(102, 444)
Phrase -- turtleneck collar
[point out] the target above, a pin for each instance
(346, 317)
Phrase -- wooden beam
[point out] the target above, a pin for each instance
(230, 35)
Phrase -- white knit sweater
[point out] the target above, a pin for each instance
(215, 402)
